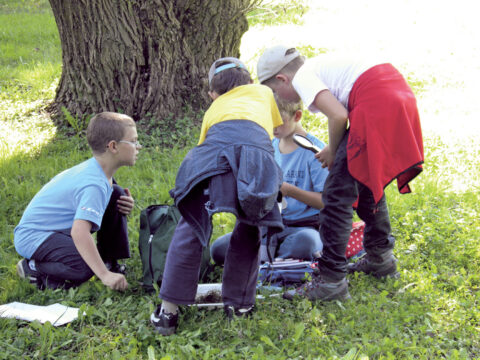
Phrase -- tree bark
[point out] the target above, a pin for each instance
(142, 58)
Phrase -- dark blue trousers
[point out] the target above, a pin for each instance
(58, 260)
(339, 194)
(182, 267)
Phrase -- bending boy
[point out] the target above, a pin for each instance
(303, 180)
(54, 234)
(383, 142)
(231, 170)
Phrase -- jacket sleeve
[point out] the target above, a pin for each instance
(258, 182)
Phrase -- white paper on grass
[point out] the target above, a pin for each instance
(205, 289)
(216, 288)
(57, 314)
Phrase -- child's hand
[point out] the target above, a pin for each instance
(326, 157)
(125, 203)
(285, 188)
(115, 281)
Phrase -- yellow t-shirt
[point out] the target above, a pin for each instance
(247, 102)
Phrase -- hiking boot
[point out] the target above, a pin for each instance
(25, 272)
(231, 311)
(165, 323)
(114, 266)
(381, 266)
(320, 289)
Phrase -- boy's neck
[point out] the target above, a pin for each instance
(108, 165)
(286, 145)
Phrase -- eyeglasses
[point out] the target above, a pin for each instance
(133, 143)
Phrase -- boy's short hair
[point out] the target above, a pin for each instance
(287, 108)
(105, 127)
(226, 74)
(278, 59)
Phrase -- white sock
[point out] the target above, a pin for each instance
(31, 265)
(169, 308)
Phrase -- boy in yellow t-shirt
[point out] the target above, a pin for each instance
(231, 170)
(250, 102)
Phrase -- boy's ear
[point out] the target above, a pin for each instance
(282, 77)
(298, 115)
(112, 146)
(213, 95)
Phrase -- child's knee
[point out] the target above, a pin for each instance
(310, 240)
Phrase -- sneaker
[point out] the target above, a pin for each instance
(231, 311)
(383, 269)
(24, 271)
(319, 289)
(165, 323)
(114, 266)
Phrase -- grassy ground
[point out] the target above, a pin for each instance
(432, 311)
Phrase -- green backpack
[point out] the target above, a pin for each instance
(157, 225)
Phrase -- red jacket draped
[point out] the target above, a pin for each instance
(385, 140)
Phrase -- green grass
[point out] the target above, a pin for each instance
(275, 12)
(30, 57)
(431, 312)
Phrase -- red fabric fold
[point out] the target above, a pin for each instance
(385, 141)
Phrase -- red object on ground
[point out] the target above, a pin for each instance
(355, 243)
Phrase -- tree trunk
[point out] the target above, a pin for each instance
(142, 58)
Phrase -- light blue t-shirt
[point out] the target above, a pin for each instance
(300, 168)
(81, 192)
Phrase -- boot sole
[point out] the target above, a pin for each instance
(20, 270)
(342, 294)
(385, 273)
(22, 274)
(165, 331)
(392, 275)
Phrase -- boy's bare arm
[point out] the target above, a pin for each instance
(85, 245)
(311, 198)
(337, 124)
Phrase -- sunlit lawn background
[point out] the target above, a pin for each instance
(431, 312)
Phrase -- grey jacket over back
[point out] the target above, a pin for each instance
(233, 171)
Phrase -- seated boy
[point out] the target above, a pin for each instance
(54, 234)
(231, 170)
(303, 179)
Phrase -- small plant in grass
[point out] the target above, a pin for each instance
(170, 132)
(79, 125)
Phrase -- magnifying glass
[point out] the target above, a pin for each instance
(305, 143)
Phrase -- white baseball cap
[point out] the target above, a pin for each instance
(273, 60)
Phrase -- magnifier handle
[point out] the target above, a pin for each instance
(305, 143)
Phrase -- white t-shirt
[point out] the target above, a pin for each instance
(328, 72)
